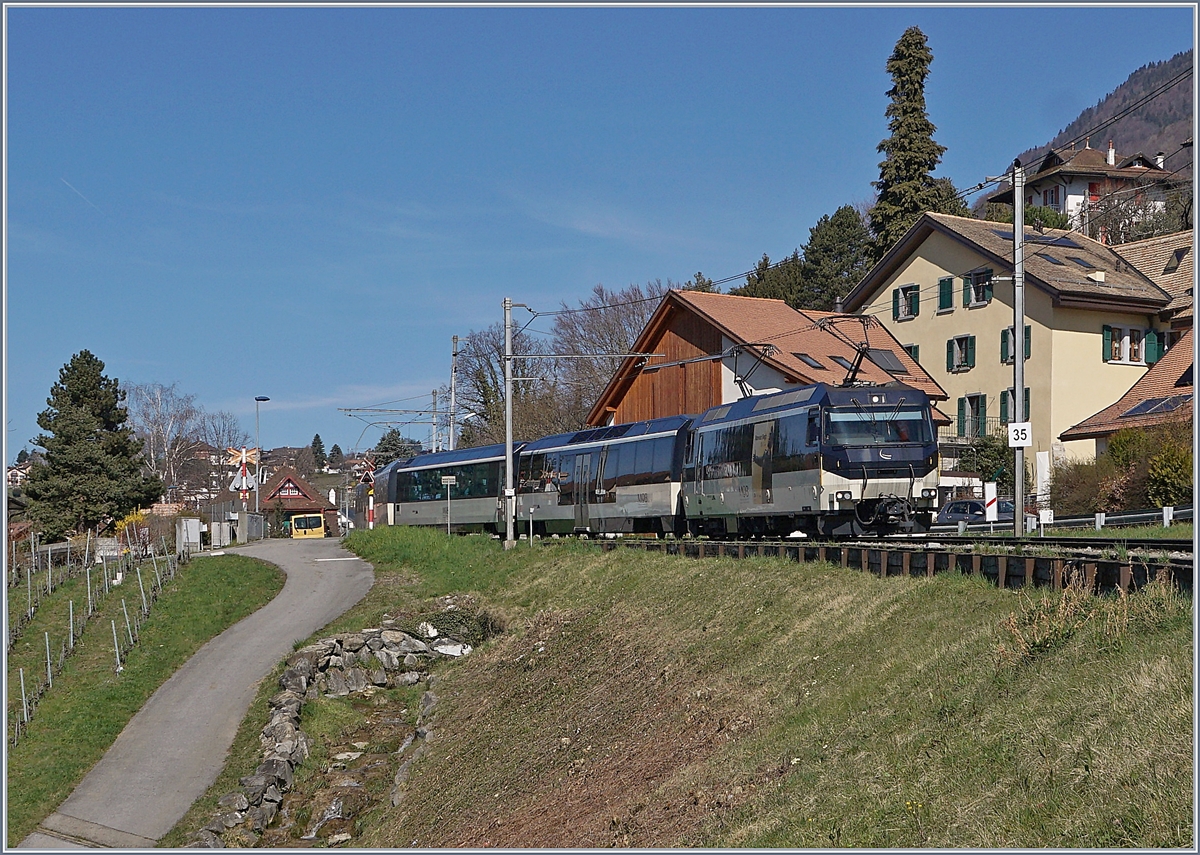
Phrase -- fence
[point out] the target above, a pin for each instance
(228, 523)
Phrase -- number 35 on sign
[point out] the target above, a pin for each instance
(1019, 435)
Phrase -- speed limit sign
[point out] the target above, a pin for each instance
(1019, 435)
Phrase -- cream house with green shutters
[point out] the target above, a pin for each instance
(1092, 324)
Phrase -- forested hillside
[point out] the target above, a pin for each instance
(1161, 124)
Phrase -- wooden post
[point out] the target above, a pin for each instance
(1126, 577)
(905, 562)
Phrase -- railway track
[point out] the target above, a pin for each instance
(1104, 564)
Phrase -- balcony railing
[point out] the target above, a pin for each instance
(970, 430)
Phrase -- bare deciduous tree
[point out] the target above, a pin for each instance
(167, 423)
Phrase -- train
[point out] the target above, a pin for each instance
(818, 460)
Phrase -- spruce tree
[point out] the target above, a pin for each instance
(336, 457)
(836, 257)
(906, 186)
(318, 450)
(774, 281)
(393, 446)
(92, 471)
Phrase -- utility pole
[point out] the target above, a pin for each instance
(453, 380)
(1018, 408)
(434, 437)
(510, 493)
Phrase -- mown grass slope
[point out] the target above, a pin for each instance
(656, 701)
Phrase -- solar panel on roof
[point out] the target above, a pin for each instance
(1151, 406)
(1050, 258)
(1044, 240)
(720, 413)
(886, 360)
(1082, 262)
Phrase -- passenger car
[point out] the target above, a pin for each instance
(972, 510)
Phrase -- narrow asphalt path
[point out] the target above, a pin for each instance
(173, 749)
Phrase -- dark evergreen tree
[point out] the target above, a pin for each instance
(22, 456)
(774, 281)
(906, 186)
(836, 257)
(699, 282)
(393, 446)
(318, 451)
(336, 457)
(92, 469)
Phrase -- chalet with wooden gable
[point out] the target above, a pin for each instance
(1092, 323)
(289, 494)
(1077, 182)
(1169, 262)
(1163, 394)
(712, 349)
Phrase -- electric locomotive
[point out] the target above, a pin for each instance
(819, 459)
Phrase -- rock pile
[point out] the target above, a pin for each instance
(333, 667)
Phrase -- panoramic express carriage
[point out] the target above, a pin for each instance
(819, 459)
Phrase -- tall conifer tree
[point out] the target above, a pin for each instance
(92, 469)
(906, 187)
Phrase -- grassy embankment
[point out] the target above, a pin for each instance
(656, 701)
(89, 704)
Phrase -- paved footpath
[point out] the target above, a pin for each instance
(174, 748)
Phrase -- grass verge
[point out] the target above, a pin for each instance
(647, 700)
(89, 705)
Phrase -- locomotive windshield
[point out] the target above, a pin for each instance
(857, 425)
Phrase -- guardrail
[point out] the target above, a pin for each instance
(1149, 516)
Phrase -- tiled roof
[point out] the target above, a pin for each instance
(820, 335)
(1169, 262)
(1064, 263)
(1088, 162)
(1167, 381)
(312, 499)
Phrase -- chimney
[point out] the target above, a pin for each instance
(837, 305)
(1159, 159)
(1112, 154)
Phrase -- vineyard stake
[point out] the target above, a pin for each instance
(128, 629)
(71, 624)
(87, 549)
(24, 703)
(145, 608)
(88, 569)
(49, 672)
(116, 646)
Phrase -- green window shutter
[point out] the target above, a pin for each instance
(1107, 342)
(1004, 345)
(1026, 414)
(914, 350)
(1028, 338)
(950, 355)
(962, 416)
(895, 303)
(970, 351)
(982, 415)
(966, 281)
(987, 288)
(946, 293)
(1003, 408)
(914, 302)
(1152, 347)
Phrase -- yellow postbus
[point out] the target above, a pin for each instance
(308, 525)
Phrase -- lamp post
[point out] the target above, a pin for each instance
(259, 399)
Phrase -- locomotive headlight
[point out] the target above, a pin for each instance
(928, 494)
(843, 496)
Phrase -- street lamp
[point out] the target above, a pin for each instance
(259, 399)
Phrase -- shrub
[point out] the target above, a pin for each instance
(1169, 479)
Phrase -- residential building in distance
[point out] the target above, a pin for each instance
(1093, 324)
(1088, 183)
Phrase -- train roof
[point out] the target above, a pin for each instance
(459, 455)
(629, 430)
(805, 396)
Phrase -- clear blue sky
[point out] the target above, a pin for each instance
(307, 203)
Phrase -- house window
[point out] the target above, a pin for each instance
(1008, 344)
(1131, 345)
(946, 294)
(972, 415)
(977, 288)
(1050, 198)
(1008, 411)
(960, 354)
(1093, 191)
(914, 351)
(906, 302)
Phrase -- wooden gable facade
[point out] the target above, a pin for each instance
(690, 382)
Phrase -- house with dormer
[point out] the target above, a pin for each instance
(1083, 184)
(1093, 324)
(707, 349)
(288, 494)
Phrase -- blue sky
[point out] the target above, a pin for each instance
(307, 203)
